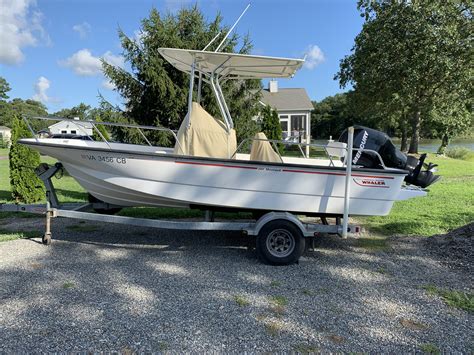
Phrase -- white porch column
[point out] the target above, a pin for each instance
(308, 133)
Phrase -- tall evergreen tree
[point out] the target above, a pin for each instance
(155, 93)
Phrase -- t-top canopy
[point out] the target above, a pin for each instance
(231, 65)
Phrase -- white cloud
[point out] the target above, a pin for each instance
(83, 29)
(83, 63)
(41, 86)
(20, 27)
(314, 56)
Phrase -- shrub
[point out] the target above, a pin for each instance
(271, 125)
(459, 153)
(25, 185)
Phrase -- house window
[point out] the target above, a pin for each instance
(63, 132)
(73, 131)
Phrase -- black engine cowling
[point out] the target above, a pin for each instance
(367, 138)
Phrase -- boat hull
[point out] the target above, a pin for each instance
(125, 177)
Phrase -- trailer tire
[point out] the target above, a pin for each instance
(280, 242)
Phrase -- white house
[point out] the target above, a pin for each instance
(5, 136)
(294, 109)
(80, 128)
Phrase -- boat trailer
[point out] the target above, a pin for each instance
(281, 236)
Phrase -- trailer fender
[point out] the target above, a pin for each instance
(271, 216)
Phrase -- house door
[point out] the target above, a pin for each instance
(298, 127)
(285, 126)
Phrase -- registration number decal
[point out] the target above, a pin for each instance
(105, 159)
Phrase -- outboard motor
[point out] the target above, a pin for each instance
(367, 138)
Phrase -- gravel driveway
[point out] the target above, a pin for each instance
(118, 288)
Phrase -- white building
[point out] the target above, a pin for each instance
(294, 109)
(5, 136)
(80, 128)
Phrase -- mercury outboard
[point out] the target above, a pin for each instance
(419, 173)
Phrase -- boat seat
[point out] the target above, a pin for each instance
(202, 135)
(336, 149)
(262, 150)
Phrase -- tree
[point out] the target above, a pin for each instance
(5, 111)
(331, 116)
(450, 118)
(104, 113)
(26, 186)
(81, 111)
(409, 57)
(270, 125)
(335, 113)
(155, 93)
(28, 108)
(4, 88)
(18, 107)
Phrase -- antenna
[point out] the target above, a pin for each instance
(212, 40)
(232, 28)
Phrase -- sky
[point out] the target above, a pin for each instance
(50, 50)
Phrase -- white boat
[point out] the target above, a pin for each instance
(204, 170)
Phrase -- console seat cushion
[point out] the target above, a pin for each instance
(262, 150)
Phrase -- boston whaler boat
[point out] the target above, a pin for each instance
(205, 169)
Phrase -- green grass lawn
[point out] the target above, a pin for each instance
(449, 204)
(67, 188)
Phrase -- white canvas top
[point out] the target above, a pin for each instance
(231, 65)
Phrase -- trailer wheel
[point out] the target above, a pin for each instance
(280, 242)
(110, 211)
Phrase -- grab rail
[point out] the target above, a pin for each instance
(82, 125)
(313, 145)
(274, 142)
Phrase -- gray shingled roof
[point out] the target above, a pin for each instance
(287, 99)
